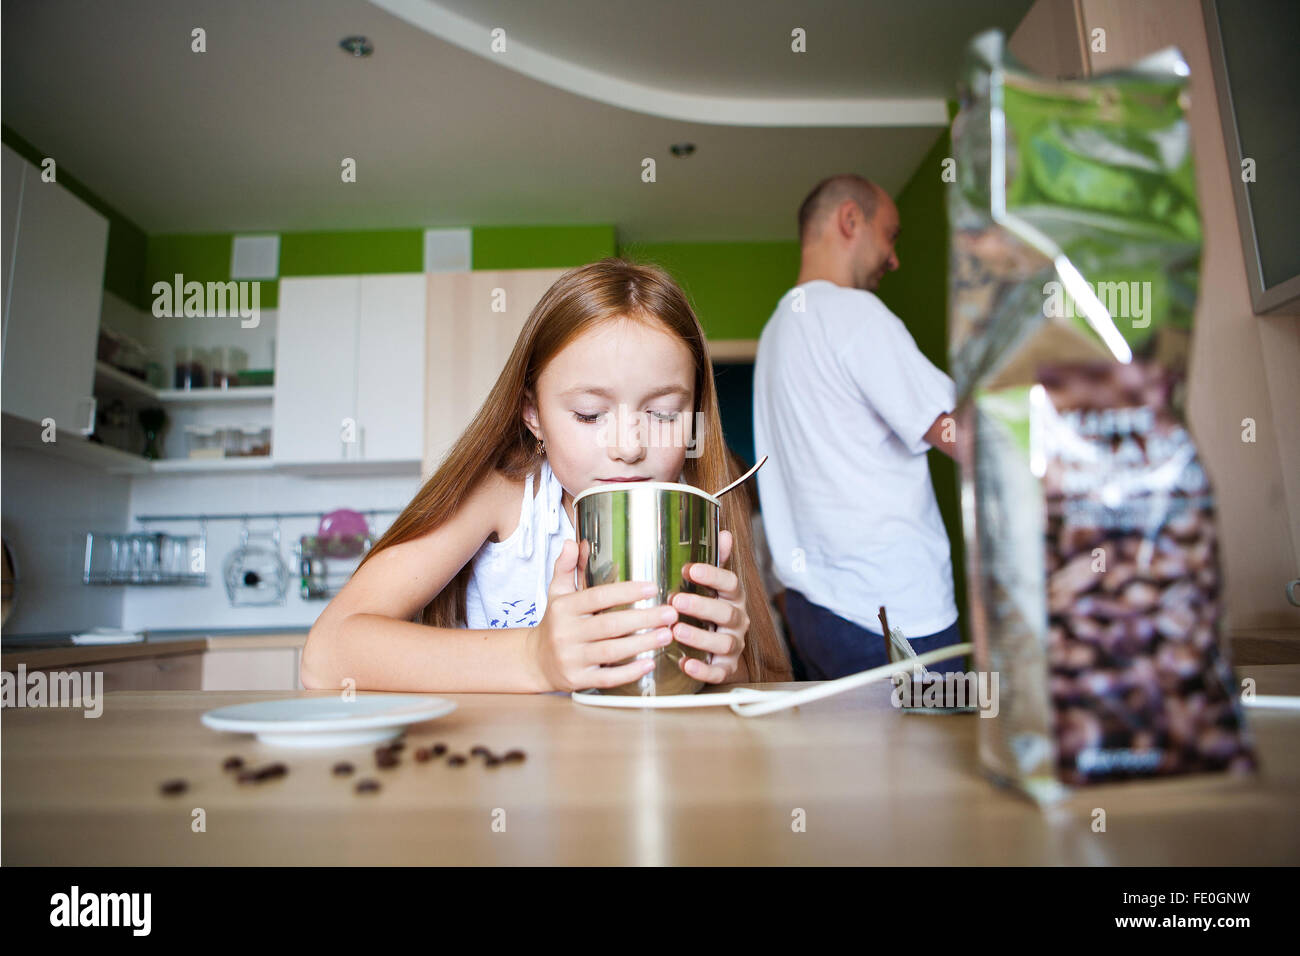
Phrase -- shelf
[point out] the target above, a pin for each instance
(20, 433)
(346, 469)
(114, 383)
(242, 463)
(250, 393)
(111, 382)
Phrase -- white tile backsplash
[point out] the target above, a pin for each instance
(209, 607)
(49, 504)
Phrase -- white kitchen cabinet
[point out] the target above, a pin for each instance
(474, 321)
(349, 378)
(315, 367)
(390, 368)
(55, 249)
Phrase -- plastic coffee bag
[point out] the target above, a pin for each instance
(1095, 589)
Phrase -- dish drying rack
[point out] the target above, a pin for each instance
(150, 558)
(326, 564)
(161, 558)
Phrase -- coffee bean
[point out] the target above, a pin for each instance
(269, 772)
(367, 786)
(439, 749)
(456, 760)
(422, 754)
(233, 763)
(386, 759)
(479, 751)
(343, 769)
(174, 787)
(397, 744)
(492, 760)
(514, 756)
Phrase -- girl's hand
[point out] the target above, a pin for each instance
(572, 641)
(727, 610)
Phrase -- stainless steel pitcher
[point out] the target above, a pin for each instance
(649, 531)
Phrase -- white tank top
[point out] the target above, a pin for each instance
(510, 579)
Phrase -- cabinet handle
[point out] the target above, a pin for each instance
(90, 418)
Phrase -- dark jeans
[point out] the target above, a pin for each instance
(824, 646)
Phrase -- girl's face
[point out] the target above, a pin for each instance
(616, 404)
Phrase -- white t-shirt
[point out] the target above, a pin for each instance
(510, 580)
(842, 398)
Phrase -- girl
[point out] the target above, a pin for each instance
(472, 587)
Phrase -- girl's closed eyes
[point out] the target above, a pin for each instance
(593, 417)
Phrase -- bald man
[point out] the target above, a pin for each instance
(847, 406)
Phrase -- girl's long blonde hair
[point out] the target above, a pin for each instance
(497, 438)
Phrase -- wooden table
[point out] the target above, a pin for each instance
(875, 786)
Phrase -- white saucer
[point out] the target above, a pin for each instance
(328, 721)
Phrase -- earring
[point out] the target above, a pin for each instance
(541, 447)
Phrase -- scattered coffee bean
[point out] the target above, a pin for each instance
(422, 754)
(514, 756)
(367, 786)
(479, 751)
(269, 772)
(493, 760)
(439, 749)
(233, 763)
(343, 769)
(386, 759)
(456, 760)
(397, 744)
(173, 787)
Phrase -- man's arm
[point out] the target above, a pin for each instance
(943, 434)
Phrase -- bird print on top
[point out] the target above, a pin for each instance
(512, 615)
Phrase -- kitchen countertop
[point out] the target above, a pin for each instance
(875, 786)
(54, 650)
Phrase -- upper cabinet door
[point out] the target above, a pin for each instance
(13, 167)
(474, 322)
(54, 299)
(390, 367)
(316, 370)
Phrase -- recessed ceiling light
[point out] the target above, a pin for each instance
(357, 46)
(682, 149)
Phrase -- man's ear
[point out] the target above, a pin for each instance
(846, 216)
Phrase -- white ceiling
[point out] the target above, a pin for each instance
(250, 135)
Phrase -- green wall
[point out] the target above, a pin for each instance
(366, 252)
(733, 286)
(540, 247)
